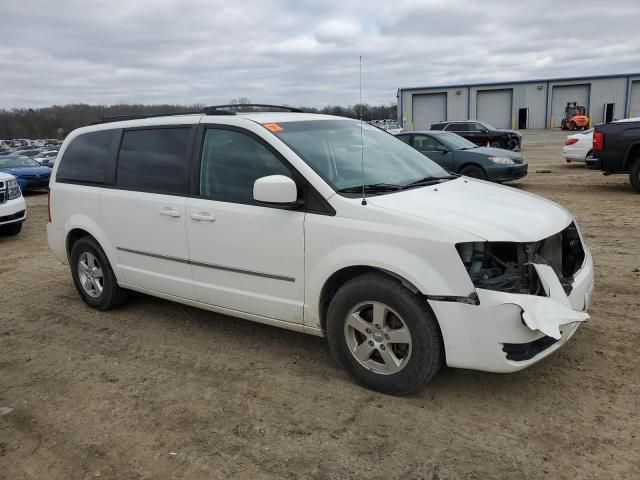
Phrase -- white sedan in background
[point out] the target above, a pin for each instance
(578, 146)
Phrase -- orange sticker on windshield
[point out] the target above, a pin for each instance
(273, 127)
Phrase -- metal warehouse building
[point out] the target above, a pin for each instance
(522, 104)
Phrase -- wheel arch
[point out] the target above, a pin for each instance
(633, 153)
(81, 226)
(471, 163)
(343, 275)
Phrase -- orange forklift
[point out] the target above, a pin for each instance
(574, 117)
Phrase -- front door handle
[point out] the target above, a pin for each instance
(169, 212)
(203, 217)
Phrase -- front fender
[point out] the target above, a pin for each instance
(418, 270)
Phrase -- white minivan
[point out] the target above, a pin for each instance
(322, 225)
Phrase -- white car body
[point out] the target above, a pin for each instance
(11, 211)
(270, 265)
(43, 158)
(578, 151)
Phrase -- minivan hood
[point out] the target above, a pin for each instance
(492, 212)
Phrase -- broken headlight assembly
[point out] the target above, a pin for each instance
(509, 266)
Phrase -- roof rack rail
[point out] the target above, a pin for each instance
(218, 109)
(138, 116)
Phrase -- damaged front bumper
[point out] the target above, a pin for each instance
(507, 332)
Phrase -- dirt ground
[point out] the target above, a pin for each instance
(158, 390)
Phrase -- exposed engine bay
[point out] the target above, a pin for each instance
(510, 266)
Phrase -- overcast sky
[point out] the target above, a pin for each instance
(297, 52)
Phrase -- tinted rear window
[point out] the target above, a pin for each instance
(155, 160)
(87, 156)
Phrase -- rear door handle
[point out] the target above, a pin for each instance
(203, 217)
(169, 212)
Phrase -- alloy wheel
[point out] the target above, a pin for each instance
(378, 338)
(90, 274)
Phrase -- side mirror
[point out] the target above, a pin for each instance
(275, 190)
(442, 150)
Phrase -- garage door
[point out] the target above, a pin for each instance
(427, 109)
(634, 105)
(494, 107)
(560, 95)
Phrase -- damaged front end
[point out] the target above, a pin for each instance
(509, 266)
(539, 275)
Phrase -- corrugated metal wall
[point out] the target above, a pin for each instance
(537, 97)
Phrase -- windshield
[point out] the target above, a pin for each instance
(488, 126)
(455, 142)
(16, 162)
(333, 149)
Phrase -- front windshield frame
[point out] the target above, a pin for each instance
(339, 149)
(18, 162)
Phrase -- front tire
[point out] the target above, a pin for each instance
(473, 171)
(11, 230)
(495, 144)
(93, 276)
(634, 175)
(384, 335)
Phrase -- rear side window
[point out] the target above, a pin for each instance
(155, 160)
(438, 126)
(87, 156)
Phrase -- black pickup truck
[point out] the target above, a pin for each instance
(616, 149)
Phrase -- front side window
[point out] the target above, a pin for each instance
(87, 156)
(334, 149)
(155, 160)
(425, 143)
(232, 162)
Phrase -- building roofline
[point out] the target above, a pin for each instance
(518, 82)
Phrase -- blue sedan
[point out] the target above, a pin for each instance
(29, 173)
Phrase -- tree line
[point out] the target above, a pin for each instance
(57, 121)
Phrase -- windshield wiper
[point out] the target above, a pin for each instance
(469, 148)
(429, 181)
(372, 188)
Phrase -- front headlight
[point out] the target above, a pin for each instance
(502, 160)
(13, 189)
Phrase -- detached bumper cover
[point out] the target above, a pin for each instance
(480, 337)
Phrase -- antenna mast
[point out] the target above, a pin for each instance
(364, 199)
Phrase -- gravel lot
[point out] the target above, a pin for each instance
(158, 390)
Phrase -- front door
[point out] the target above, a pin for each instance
(433, 149)
(244, 256)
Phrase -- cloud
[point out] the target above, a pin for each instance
(297, 52)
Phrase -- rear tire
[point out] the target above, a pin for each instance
(572, 126)
(389, 311)
(93, 277)
(11, 229)
(473, 171)
(634, 175)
